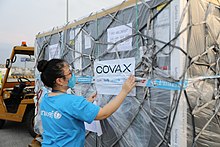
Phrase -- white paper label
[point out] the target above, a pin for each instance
(54, 51)
(118, 33)
(111, 74)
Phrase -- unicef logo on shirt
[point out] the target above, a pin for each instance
(57, 115)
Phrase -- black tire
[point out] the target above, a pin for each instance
(30, 123)
(2, 122)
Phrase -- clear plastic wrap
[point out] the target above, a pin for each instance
(146, 120)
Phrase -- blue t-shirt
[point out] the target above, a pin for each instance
(63, 119)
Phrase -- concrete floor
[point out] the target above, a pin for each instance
(14, 135)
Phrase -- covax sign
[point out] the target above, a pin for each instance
(111, 74)
(115, 67)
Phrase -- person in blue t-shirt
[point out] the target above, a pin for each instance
(63, 115)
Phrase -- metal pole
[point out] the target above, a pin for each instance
(67, 11)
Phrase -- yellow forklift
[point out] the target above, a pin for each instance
(17, 91)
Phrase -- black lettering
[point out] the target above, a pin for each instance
(99, 71)
(112, 70)
(118, 68)
(126, 67)
(105, 67)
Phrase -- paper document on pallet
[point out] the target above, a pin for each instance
(95, 126)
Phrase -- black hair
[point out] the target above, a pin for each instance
(51, 70)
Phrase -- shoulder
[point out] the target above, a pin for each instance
(71, 97)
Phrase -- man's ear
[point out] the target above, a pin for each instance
(59, 81)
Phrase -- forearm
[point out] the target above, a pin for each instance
(112, 106)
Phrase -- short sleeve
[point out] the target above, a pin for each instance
(84, 110)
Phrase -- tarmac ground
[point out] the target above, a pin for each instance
(14, 134)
